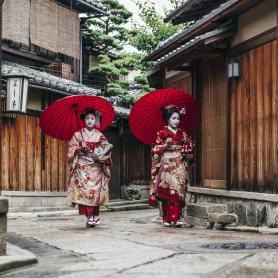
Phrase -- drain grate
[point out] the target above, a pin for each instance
(241, 246)
(226, 247)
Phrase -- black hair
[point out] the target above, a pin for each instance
(167, 113)
(86, 112)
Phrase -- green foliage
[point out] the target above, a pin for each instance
(133, 190)
(108, 33)
(147, 37)
(115, 89)
(140, 79)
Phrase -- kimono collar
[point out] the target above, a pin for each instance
(174, 131)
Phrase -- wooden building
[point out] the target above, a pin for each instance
(41, 38)
(237, 146)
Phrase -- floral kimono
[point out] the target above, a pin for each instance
(169, 177)
(88, 184)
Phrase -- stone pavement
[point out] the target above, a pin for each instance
(130, 244)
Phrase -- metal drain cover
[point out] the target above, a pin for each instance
(228, 247)
(241, 246)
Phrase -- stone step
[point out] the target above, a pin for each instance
(201, 210)
(38, 209)
(129, 207)
(113, 203)
(121, 202)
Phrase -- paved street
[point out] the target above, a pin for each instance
(130, 244)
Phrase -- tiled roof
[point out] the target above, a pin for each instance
(52, 82)
(192, 10)
(85, 6)
(95, 3)
(192, 26)
(47, 80)
(206, 23)
(191, 43)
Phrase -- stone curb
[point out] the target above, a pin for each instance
(16, 257)
(117, 206)
(261, 230)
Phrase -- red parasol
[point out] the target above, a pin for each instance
(62, 118)
(146, 115)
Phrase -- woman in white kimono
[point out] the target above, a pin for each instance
(90, 156)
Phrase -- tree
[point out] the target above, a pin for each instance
(108, 33)
(154, 30)
(114, 69)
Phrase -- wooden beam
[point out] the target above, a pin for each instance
(181, 68)
(27, 55)
(255, 42)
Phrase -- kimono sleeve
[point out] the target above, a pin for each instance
(73, 146)
(188, 147)
(157, 150)
(159, 146)
(108, 160)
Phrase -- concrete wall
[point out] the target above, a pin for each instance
(3, 225)
(255, 21)
(252, 209)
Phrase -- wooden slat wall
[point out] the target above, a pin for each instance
(32, 161)
(254, 121)
(180, 82)
(137, 161)
(24, 165)
(213, 91)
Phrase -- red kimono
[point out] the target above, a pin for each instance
(169, 177)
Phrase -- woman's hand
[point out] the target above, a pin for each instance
(189, 156)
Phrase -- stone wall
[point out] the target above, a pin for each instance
(252, 209)
(22, 201)
(3, 225)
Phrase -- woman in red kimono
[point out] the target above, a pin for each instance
(172, 151)
(90, 157)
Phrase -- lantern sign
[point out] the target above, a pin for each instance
(233, 70)
(17, 91)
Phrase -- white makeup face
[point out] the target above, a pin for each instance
(174, 120)
(90, 120)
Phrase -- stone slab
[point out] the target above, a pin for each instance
(3, 225)
(3, 205)
(272, 215)
(234, 194)
(197, 221)
(222, 218)
(16, 257)
(201, 210)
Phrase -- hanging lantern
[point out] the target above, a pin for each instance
(17, 92)
(233, 70)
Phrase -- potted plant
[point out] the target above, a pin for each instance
(133, 192)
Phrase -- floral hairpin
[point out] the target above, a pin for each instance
(181, 111)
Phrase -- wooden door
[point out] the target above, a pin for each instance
(115, 182)
(213, 91)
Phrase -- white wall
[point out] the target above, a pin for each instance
(255, 21)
